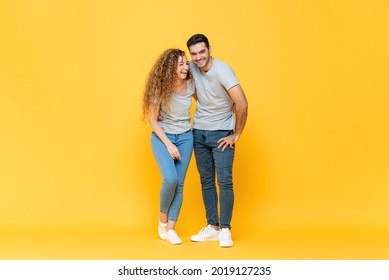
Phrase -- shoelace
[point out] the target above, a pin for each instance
(205, 230)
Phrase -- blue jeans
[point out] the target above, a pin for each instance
(212, 161)
(173, 171)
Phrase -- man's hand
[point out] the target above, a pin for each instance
(228, 141)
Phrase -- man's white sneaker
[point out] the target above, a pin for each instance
(172, 237)
(206, 234)
(162, 228)
(225, 238)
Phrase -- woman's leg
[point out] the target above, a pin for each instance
(184, 143)
(169, 175)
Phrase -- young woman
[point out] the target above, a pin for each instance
(166, 103)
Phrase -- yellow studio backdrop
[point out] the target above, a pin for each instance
(77, 175)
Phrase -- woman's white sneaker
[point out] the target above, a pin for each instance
(225, 238)
(206, 234)
(162, 228)
(172, 237)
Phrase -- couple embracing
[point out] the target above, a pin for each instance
(219, 119)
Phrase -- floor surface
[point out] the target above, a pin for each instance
(143, 244)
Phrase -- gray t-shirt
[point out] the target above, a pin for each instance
(177, 120)
(214, 105)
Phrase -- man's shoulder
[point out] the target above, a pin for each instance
(221, 65)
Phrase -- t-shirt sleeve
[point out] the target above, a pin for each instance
(227, 77)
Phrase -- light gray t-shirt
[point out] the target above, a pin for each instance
(177, 120)
(214, 105)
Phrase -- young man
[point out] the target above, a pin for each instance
(216, 131)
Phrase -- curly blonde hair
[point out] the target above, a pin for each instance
(160, 81)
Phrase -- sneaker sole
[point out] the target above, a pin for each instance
(162, 236)
(204, 240)
(173, 243)
(226, 245)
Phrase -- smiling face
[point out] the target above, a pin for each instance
(201, 56)
(182, 67)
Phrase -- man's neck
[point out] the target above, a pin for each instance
(208, 65)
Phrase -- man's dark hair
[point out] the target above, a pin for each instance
(197, 38)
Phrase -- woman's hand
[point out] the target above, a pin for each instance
(173, 151)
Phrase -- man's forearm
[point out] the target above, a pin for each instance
(241, 113)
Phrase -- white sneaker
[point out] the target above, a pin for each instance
(225, 238)
(206, 234)
(172, 237)
(162, 228)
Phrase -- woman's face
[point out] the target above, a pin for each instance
(182, 67)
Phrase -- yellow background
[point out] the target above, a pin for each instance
(78, 179)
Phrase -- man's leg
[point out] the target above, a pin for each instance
(206, 168)
(223, 164)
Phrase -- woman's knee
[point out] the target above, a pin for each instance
(170, 181)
